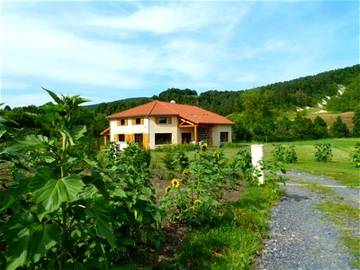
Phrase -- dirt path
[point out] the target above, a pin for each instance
(300, 236)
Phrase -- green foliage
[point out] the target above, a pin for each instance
(350, 99)
(320, 128)
(176, 162)
(197, 200)
(233, 242)
(323, 152)
(356, 156)
(279, 152)
(63, 207)
(356, 121)
(339, 129)
(301, 92)
(290, 154)
(284, 153)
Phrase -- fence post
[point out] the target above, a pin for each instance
(257, 156)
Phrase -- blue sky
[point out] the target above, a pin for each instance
(112, 50)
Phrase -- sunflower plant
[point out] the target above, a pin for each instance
(196, 199)
(62, 207)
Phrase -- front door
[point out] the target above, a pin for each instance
(186, 137)
(138, 137)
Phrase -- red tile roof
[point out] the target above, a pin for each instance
(188, 112)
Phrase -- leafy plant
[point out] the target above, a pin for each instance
(279, 152)
(197, 200)
(323, 152)
(290, 154)
(63, 207)
(356, 156)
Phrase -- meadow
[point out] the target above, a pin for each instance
(340, 168)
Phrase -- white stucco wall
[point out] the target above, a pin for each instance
(163, 128)
(216, 133)
(128, 129)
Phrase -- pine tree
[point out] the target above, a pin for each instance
(320, 128)
(339, 129)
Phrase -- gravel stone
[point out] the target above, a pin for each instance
(301, 238)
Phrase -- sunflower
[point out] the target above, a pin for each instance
(175, 183)
(167, 189)
(197, 201)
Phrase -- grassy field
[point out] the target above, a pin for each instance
(340, 168)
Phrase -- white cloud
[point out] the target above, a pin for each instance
(167, 18)
(12, 84)
(39, 48)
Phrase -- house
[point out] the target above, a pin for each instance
(158, 123)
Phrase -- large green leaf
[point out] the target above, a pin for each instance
(31, 243)
(53, 95)
(103, 227)
(57, 191)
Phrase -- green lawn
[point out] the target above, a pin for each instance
(340, 168)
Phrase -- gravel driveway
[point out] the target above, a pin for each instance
(300, 236)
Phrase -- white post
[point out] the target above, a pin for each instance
(257, 156)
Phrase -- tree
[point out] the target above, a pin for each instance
(339, 129)
(320, 128)
(241, 132)
(356, 121)
(283, 130)
(302, 128)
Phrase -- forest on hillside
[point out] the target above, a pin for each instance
(259, 113)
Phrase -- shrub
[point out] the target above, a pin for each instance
(290, 154)
(323, 152)
(356, 156)
(176, 161)
(279, 152)
(242, 166)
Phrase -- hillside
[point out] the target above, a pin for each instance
(306, 91)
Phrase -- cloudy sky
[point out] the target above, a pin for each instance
(112, 50)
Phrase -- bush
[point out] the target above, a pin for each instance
(176, 162)
(290, 154)
(278, 152)
(356, 156)
(282, 153)
(323, 152)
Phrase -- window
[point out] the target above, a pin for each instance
(163, 120)
(138, 121)
(121, 122)
(163, 138)
(224, 136)
(121, 137)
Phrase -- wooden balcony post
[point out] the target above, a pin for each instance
(196, 134)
